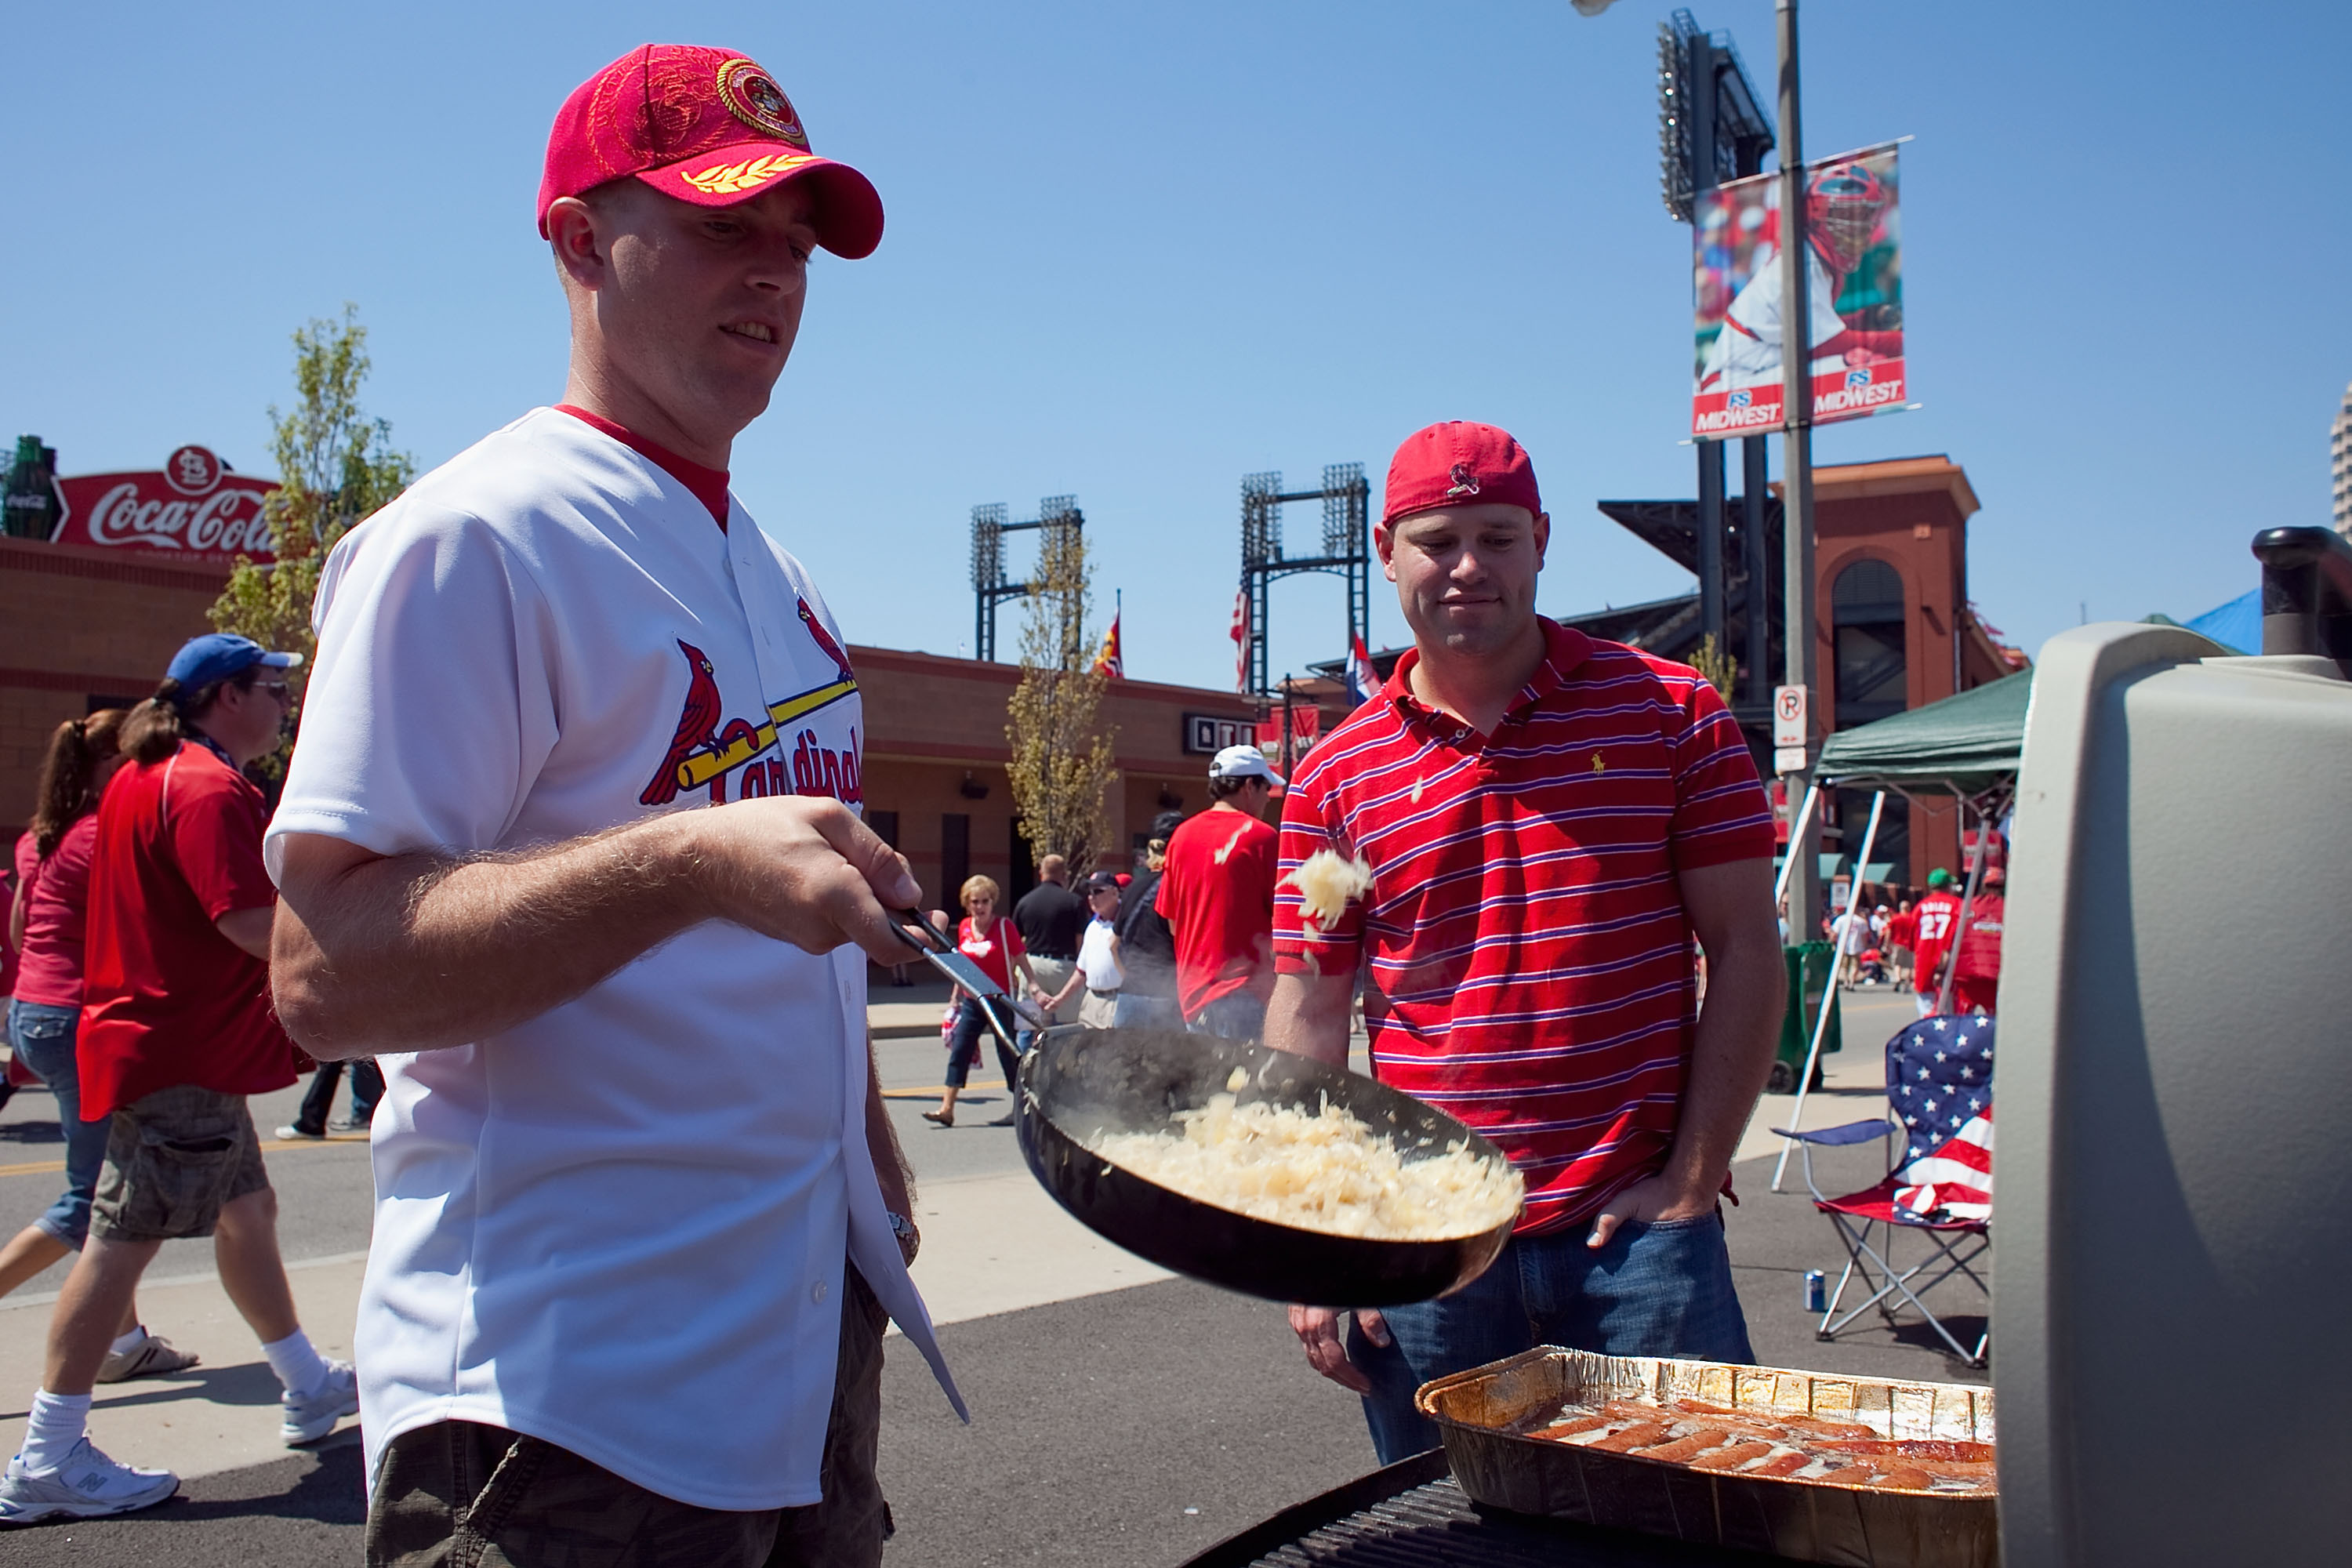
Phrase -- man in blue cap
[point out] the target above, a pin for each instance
(176, 1031)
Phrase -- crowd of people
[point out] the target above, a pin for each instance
(1890, 938)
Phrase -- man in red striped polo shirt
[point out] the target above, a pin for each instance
(1550, 819)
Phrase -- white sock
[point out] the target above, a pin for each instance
(55, 1424)
(124, 1344)
(298, 1366)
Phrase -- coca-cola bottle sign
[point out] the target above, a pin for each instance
(194, 510)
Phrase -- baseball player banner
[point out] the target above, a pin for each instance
(1854, 272)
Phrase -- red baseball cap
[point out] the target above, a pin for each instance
(707, 126)
(1454, 464)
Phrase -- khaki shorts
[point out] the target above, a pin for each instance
(459, 1494)
(173, 1159)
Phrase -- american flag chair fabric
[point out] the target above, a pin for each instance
(1940, 1103)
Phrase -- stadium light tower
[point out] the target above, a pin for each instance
(1801, 660)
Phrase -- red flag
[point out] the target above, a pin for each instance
(1109, 662)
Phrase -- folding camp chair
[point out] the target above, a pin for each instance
(1939, 1101)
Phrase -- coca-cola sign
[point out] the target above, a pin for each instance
(194, 509)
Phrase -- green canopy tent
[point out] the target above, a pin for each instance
(1966, 745)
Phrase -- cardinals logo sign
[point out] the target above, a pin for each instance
(707, 746)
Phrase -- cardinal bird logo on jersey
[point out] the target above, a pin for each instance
(697, 724)
(774, 754)
(826, 644)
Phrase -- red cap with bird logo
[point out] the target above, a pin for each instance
(707, 126)
(1458, 464)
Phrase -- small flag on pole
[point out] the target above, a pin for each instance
(1363, 679)
(1109, 662)
(1242, 636)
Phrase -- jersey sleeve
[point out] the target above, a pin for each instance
(215, 832)
(1010, 935)
(1755, 308)
(433, 704)
(1311, 821)
(1721, 813)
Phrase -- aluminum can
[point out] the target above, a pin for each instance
(1817, 1290)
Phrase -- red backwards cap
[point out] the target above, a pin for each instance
(1458, 464)
(707, 126)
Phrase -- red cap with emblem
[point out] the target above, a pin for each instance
(707, 126)
(1458, 464)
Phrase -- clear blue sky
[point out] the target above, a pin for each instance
(1135, 253)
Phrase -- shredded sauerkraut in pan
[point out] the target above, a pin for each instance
(1326, 883)
(1322, 1170)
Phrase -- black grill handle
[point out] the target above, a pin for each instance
(2306, 592)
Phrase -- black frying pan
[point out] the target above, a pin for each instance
(1078, 1082)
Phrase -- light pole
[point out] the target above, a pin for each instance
(1800, 657)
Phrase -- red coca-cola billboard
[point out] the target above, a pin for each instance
(193, 510)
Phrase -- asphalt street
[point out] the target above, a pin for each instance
(1136, 1426)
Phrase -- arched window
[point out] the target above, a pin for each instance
(1867, 622)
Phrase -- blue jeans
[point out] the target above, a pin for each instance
(971, 1027)
(1139, 1012)
(1656, 1289)
(43, 1037)
(1237, 1015)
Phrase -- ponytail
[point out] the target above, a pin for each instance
(68, 784)
(154, 729)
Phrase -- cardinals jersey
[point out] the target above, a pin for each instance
(619, 1226)
(1938, 913)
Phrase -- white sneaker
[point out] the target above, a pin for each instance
(311, 1416)
(89, 1485)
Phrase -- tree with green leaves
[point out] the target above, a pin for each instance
(1717, 665)
(1060, 768)
(335, 466)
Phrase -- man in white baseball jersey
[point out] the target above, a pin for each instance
(571, 844)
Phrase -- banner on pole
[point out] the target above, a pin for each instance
(1854, 221)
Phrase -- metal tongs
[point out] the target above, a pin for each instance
(949, 961)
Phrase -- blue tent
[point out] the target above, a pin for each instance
(2236, 625)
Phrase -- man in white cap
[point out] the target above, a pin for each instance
(1217, 895)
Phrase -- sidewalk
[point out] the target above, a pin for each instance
(907, 1011)
(991, 1243)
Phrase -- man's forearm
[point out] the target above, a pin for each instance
(413, 952)
(891, 1171)
(1308, 1015)
(1739, 1029)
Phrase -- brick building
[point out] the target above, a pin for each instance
(83, 628)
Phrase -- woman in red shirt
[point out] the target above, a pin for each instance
(993, 942)
(46, 924)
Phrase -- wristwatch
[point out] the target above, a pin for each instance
(911, 1240)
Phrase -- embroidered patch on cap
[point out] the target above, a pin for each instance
(1465, 483)
(751, 96)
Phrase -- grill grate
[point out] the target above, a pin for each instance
(1435, 1526)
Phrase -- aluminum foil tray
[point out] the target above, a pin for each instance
(1809, 1521)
